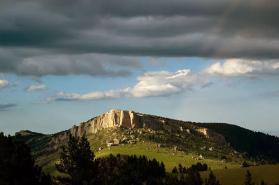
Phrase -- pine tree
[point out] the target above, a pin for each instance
(17, 166)
(211, 179)
(248, 178)
(174, 170)
(77, 160)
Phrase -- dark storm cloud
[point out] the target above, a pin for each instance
(212, 28)
(5, 107)
(93, 64)
(62, 64)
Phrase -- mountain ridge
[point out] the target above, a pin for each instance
(126, 127)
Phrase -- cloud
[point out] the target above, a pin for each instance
(5, 107)
(36, 87)
(241, 67)
(3, 83)
(98, 95)
(162, 83)
(33, 31)
(61, 64)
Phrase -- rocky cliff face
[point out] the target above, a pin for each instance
(129, 119)
(113, 118)
(125, 119)
(132, 120)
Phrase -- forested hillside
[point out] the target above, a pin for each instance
(256, 144)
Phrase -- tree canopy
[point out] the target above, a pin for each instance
(17, 165)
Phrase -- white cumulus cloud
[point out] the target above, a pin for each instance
(162, 83)
(239, 67)
(3, 83)
(36, 87)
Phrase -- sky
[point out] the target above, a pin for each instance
(63, 62)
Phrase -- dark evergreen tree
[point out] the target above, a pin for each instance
(118, 170)
(211, 179)
(245, 164)
(199, 167)
(193, 177)
(248, 178)
(17, 166)
(77, 160)
(174, 170)
(182, 175)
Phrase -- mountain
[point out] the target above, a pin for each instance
(256, 144)
(37, 142)
(120, 128)
(273, 132)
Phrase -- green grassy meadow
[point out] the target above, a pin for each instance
(166, 155)
(170, 157)
(236, 176)
(229, 173)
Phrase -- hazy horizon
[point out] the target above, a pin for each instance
(52, 131)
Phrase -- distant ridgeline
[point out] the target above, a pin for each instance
(256, 144)
(119, 127)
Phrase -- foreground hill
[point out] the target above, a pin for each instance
(171, 141)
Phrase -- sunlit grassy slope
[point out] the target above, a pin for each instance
(236, 176)
(50, 168)
(166, 155)
(229, 173)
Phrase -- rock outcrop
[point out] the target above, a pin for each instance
(126, 119)
(209, 134)
(203, 131)
(130, 120)
(113, 118)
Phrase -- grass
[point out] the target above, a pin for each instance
(150, 150)
(166, 155)
(232, 175)
(50, 168)
(236, 176)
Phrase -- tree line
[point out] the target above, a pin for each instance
(78, 163)
(80, 167)
(256, 145)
